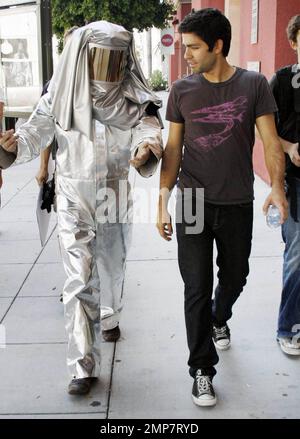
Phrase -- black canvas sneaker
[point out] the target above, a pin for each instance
(221, 337)
(203, 393)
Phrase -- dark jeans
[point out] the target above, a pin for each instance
(289, 312)
(231, 228)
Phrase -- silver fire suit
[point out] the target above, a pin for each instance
(92, 164)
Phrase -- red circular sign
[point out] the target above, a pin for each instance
(167, 40)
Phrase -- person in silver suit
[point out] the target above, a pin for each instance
(104, 117)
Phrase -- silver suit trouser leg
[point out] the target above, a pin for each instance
(81, 294)
(112, 244)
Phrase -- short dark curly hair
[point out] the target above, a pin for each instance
(210, 25)
(293, 28)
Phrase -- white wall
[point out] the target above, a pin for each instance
(141, 48)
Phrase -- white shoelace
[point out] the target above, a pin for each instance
(221, 332)
(203, 383)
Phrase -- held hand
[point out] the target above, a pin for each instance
(141, 156)
(294, 154)
(164, 224)
(156, 148)
(277, 198)
(8, 141)
(144, 152)
(42, 176)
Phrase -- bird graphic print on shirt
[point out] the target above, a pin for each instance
(226, 114)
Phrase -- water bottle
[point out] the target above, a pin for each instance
(273, 217)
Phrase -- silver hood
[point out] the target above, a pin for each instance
(76, 99)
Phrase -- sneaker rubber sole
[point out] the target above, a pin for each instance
(287, 350)
(204, 402)
(222, 348)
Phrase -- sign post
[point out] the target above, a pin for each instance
(167, 41)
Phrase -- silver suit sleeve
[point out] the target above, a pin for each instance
(37, 133)
(148, 130)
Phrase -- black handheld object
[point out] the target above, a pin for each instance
(48, 195)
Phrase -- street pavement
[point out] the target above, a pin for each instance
(144, 375)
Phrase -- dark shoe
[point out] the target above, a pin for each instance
(203, 393)
(221, 337)
(111, 334)
(81, 386)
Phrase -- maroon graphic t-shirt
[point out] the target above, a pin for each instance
(219, 121)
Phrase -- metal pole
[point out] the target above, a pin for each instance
(46, 36)
(149, 52)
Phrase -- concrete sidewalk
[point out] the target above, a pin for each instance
(144, 375)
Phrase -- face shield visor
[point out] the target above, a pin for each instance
(106, 65)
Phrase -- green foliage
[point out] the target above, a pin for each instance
(139, 14)
(157, 81)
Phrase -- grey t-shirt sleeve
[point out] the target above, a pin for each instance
(173, 113)
(265, 103)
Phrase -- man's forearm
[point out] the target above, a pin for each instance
(286, 145)
(292, 149)
(45, 155)
(169, 172)
(275, 162)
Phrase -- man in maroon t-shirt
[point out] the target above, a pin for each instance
(212, 114)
